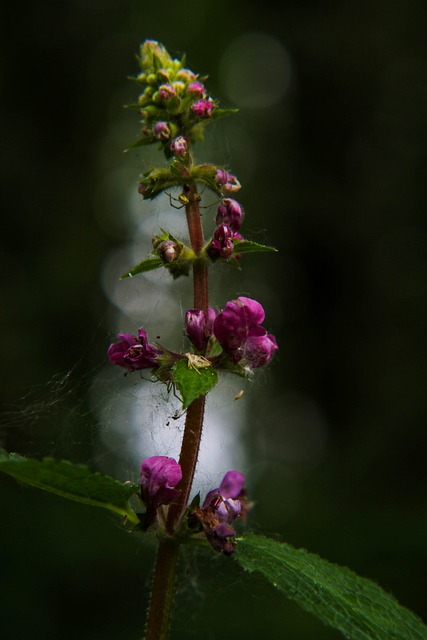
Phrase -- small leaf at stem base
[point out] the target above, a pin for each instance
(193, 380)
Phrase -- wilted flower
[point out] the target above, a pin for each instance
(133, 352)
(221, 506)
(237, 329)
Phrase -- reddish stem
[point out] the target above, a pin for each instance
(167, 556)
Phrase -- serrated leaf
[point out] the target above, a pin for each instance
(247, 246)
(146, 265)
(71, 481)
(192, 380)
(356, 606)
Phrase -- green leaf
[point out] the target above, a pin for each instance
(246, 246)
(146, 265)
(71, 481)
(218, 113)
(192, 378)
(357, 607)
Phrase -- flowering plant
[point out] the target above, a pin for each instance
(174, 107)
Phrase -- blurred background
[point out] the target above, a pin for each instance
(330, 146)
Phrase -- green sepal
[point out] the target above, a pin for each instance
(150, 263)
(353, 605)
(247, 246)
(191, 380)
(206, 173)
(71, 481)
(158, 180)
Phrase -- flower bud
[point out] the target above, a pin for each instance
(168, 250)
(166, 92)
(230, 213)
(197, 89)
(199, 327)
(179, 146)
(186, 75)
(162, 131)
(202, 108)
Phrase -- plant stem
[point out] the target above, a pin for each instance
(163, 590)
(195, 412)
(158, 621)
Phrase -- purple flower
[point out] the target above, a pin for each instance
(162, 131)
(227, 181)
(159, 477)
(237, 329)
(230, 213)
(179, 146)
(132, 352)
(199, 326)
(221, 245)
(202, 108)
(220, 508)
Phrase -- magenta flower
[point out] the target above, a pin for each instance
(221, 507)
(199, 326)
(221, 245)
(197, 89)
(132, 352)
(159, 477)
(179, 146)
(230, 213)
(237, 329)
(202, 108)
(227, 181)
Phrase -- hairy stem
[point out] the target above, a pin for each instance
(188, 460)
(159, 614)
(195, 412)
(163, 590)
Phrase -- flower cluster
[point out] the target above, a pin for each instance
(160, 475)
(220, 508)
(173, 99)
(229, 219)
(238, 330)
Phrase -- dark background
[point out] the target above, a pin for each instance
(339, 187)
